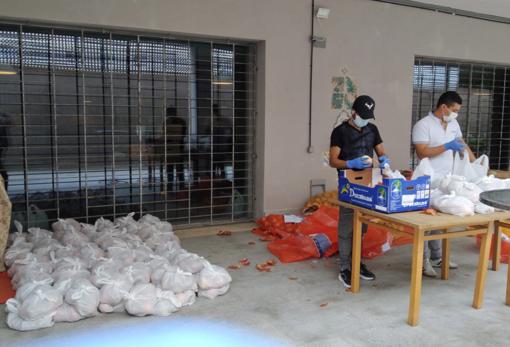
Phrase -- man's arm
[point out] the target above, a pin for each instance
(334, 162)
(424, 151)
(379, 150)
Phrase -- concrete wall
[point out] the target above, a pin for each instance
(375, 42)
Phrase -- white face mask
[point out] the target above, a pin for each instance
(360, 122)
(450, 117)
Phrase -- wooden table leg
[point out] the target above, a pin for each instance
(416, 276)
(356, 252)
(496, 249)
(445, 261)
(483, 261)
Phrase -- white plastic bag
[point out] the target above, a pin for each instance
(141, 299)
(166, 304)
(214, 292)
(137, 272)
(213, 276)
(186, 298)
(178, 281)
(463, 167)
(158, 272)
(452, 204)
(14, 321)
(105, 308)
(481, 166)
(67, 313)
(490, 183)
(424, 168)
(43, 301)
(84, 297)
(483, 209)
(190, 262)
(115, 290)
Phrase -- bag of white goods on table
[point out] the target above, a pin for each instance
(481, 208)
(178, 281)
(424, 168)
(84, 297)
(462, 166)
(141, 299)
(166, 304)
(213, 276)
(213, 292)
(455, 205)
(481, 166)
(14, 321)
(114, 290)
(461, 187)
(43, 301)
(490, 183)
(67, 313)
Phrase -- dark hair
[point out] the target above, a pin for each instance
(449, 98)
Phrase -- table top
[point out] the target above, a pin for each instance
(424, 222)
(497, 198)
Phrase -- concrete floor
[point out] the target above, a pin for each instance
(290, 312)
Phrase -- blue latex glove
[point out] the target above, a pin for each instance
(358, 163)
(383, 160)
(454, 145)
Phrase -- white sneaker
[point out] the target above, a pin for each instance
(428, 270)
(437, 263)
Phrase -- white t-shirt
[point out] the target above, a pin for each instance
(429, 131)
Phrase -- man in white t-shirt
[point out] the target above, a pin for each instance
(437, 137)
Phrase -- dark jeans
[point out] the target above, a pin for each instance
(345, 227)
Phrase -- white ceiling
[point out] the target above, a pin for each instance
(500, 8)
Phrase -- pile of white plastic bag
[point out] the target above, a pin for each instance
(459, 192)
(80, 270)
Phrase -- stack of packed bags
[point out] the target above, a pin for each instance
(79, 270)
(459, 193)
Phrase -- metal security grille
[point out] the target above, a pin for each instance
(99, 124)
(485, 115)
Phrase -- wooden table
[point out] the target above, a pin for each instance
(416, 225)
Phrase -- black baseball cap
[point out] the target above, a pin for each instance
(364, 106)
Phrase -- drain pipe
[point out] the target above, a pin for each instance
(310, 147)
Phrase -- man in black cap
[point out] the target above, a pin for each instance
(352, 146)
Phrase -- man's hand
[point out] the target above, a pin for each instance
(358, 163)
(455, 145)
(383, 160)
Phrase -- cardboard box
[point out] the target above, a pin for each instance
(391, 196)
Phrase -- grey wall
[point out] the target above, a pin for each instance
(375, 41)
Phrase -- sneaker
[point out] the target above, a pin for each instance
(428, 270)
(365, 274)
(437, 263)
(345, 278)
